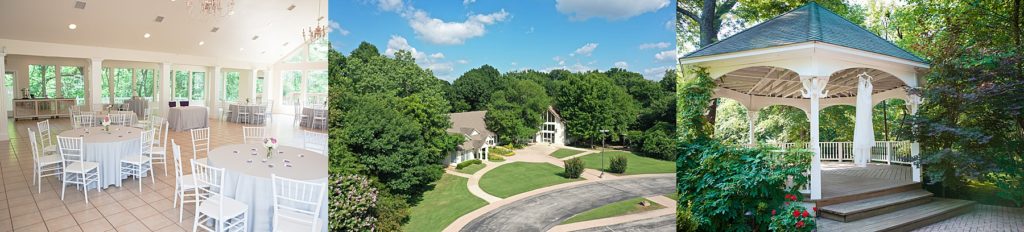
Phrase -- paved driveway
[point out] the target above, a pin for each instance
(665, 223)
(546, 210)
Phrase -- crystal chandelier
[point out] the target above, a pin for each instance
(317, 32)
(216, 8)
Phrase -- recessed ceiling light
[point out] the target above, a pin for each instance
(80, 5)
(201, 43)
(72, 26)
(241, 49)
(145, 35)
(292, 7)
(231, 12)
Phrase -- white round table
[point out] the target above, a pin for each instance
(247, 177)
(250, 108)
(108, 148)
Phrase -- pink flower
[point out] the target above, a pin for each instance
(773, 212)
(800, 224)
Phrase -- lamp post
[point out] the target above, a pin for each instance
(603, 136)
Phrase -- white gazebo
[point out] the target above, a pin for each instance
(811, 58)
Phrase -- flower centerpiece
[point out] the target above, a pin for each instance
(270, 144)
(106, 123)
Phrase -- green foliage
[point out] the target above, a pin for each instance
(592, 102)
(495, 158)
(467, 163)
(724, 184)
(475, 87)
(684, 219)
(514, 113)
(793, 217)
(353, 203)
(617, 164)
(573, 168)
(695, 91)
(501, 150)
(658, 142)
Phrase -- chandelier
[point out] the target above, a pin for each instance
(317, 32)
(216, 8)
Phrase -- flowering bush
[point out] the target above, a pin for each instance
(353, 203)
(793, 217)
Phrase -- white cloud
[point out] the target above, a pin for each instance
(515, 64)
(433, 62)
(440, 32)
(622, 65)
(659, 45)
(462, 61)
(390, 5)
(666, 55)
(609, 9)
(670, 24)
(530, 31)
(467, 2)
(559, 60)
(656, 73)
(335, 26)
(586, 50)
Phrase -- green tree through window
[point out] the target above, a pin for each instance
(105, 86)
(291, 86)
(144, 83)
(198, 86)
(231, 86)
(181, 81)
(72, 84)
(42, 80)
(122, 84)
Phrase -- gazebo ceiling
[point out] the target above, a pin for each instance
(780, 82)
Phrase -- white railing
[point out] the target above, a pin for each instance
(888, 152)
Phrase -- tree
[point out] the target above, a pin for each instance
(476, 86)
(590, 103)
(515, 113)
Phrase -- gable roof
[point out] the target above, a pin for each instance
(808, 23)
(465, 123)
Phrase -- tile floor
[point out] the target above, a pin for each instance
(114, 209)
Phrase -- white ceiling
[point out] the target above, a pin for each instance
(122, 24)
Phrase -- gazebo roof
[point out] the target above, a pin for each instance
(808, 23)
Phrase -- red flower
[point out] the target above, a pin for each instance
(800, 224)
(806, 214)
(773, 212)
(787, 203)
(815, 209)
(796, 213)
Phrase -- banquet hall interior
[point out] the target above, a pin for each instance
(163, 115)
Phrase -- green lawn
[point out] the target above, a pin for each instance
(471, 168)
(449, 200)
(674, 196)
(630, 206)
(562, 153)
(519, 177)
(635, 164)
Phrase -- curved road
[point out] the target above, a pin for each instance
(546, 210)
(666, 223)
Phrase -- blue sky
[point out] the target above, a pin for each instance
(453, 36)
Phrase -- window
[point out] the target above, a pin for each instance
(291, 87)
(231, 86)
(9, 85)
(318, 50)
(105, 86)
(181, 86)
(297, 57)
(72, 84)
(42, 80)
(198, 86)
(122, 84)
(316, 87)
(259, 86)
(145, 83)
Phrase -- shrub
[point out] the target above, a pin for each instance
(684, 219)
(467, 163)
(573, 167)
(735, 188)
(618, 164)
(353, 203)
(502, 150)
(495, 158)
(793, 217)
(659, 143)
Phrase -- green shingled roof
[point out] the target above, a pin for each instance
(810, 22)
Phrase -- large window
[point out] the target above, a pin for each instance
(231, 86)
(198, 86)
(42, 80)
(291, 86)
(9, 85)
(181, 87)
(145, 82)
(316, 87)
(72, 84)
(122, 84)
(105, 86)
(318, 50)
(259, 86)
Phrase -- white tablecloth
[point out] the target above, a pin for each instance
(249, 108)
(108, 149)
(251, 182)
(138, 106)
(186, 118)
(98, 117)
(308, 120)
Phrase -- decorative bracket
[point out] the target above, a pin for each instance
(814, 87)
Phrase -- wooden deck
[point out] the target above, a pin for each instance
(843, 181)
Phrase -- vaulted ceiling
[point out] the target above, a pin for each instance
(779, 82)
(123, 24)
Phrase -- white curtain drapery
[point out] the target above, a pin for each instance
(863, 133)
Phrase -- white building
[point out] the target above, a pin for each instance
(553, 129)
(478, 139)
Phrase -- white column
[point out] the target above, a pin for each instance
(814, 88)
(95, 82)
(252, 85)
(166, 80)
(752, 120)
(3, 97)
(915, 147)
(214, 97)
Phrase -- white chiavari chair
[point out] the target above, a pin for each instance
(315, 141)
(299, 116)
(200, 141)
(46, 137)
(43, 165)
(138, 165)
(184, 185)
(83, 119)
(77, 171)
(254, 134)
(224, 213)
(159, 151)
(297, 204)
(319, 115)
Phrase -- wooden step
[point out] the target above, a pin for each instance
(903, 220)
(855, 210)
(867, 193)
